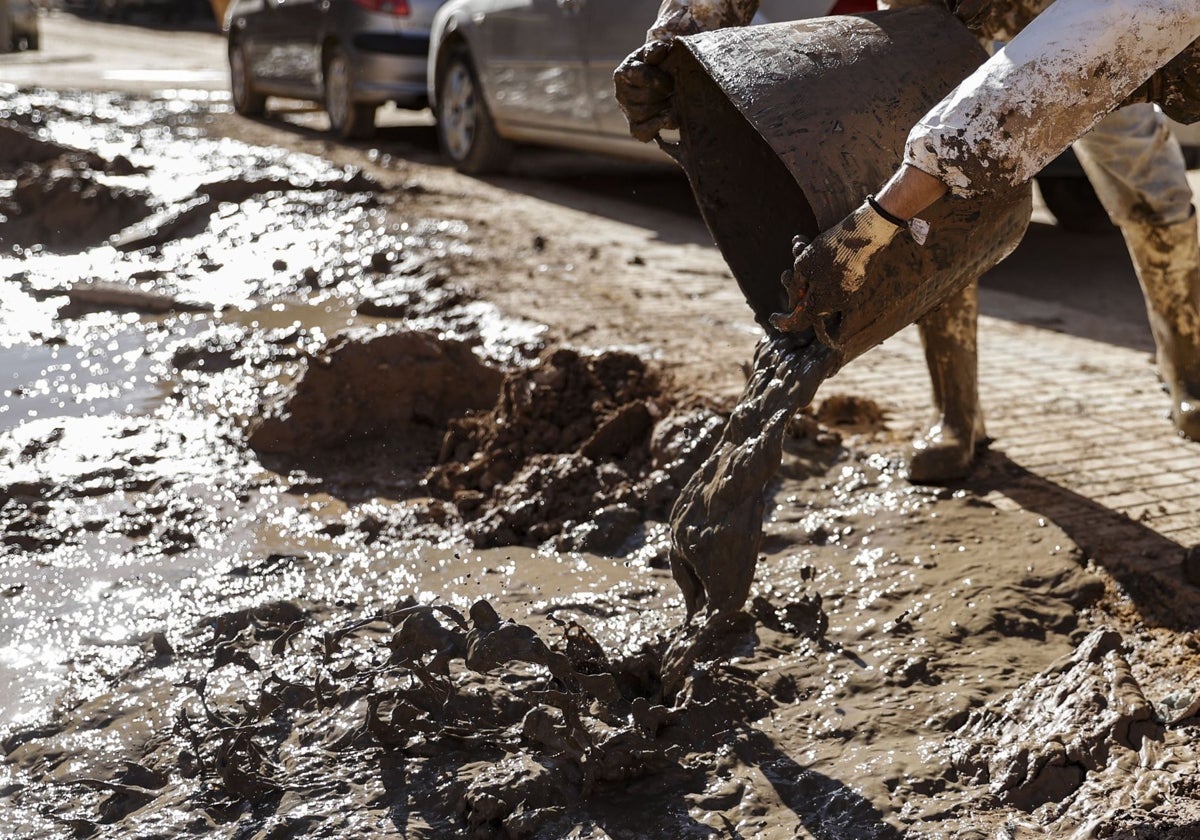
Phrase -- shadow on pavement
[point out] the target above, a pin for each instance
(1145, 563)
(1081, 284)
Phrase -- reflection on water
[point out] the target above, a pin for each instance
(127, 367)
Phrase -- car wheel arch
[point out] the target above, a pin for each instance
(467, 131)
(357, 118)
(452, 39)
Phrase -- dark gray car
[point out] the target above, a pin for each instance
(350, 55)
(18, 25)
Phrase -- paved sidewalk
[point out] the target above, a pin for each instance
(1081, 434)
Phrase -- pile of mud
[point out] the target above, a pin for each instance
(579, 449)
(62, 198)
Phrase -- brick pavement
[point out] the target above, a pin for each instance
(1084, 420)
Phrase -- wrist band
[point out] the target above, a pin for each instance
(896, 220)
(918, 229)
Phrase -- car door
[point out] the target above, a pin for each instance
(615, 28)
(289, 34)
(535, 65)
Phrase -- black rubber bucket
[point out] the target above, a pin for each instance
(786, 128)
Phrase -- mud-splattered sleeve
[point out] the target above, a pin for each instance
(1072, 65)
(687, 17)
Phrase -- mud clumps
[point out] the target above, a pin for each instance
(60, 199)
(1076, 718)
(366, 384)
(578, 449)
(419, 718)
(565, 450)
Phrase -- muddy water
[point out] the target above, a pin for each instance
(135, 338)
(204, 637)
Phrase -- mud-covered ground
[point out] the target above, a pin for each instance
(334, 495)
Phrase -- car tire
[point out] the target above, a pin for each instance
(465, 129)
(246, 100)
(348, 119)
(1074, 204)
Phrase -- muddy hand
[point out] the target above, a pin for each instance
(1175, 87)
(972, 12)
(644, 91)
(828, 274)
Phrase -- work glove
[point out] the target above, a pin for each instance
(971, 12)
(1175, 88)
(644, 91)
(831, 273)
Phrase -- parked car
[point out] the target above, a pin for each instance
(540, 71)
(22, 26)
(350, 55)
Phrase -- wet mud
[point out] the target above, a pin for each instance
(243, 593)
(576, 450)
(62, 197)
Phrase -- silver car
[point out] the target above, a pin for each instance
(350, 55)
(540, 71)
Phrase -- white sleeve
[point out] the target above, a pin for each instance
(1072, 65)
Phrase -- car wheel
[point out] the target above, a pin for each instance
(1074, 204)
(348, 119)
(465, 129)
(246, 100)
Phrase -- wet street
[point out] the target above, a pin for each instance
(335, 488)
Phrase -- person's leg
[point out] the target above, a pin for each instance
(945, 451)
(1139, 174)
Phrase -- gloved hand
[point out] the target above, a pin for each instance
(1175, 88)
(831, 271)
(644, 91)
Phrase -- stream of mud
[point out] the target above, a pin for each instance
(300, 538)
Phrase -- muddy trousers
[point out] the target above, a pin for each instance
(1138, 171)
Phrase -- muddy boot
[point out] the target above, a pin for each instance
(1167, 260)
(946, 450)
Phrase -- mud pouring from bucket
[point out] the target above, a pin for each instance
(784, 129)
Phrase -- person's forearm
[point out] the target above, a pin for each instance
(687, 17)
(909, 192)
(1076, 62)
